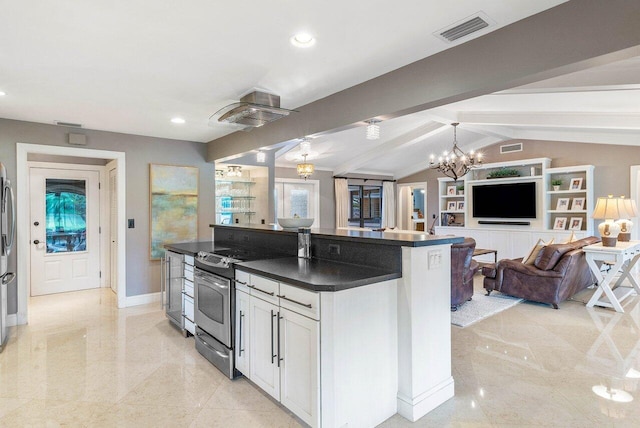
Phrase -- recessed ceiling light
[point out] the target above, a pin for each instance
(178, 120)
(303, 40)
(2, 94)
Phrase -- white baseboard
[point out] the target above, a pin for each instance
(12, 320)
(142, 299)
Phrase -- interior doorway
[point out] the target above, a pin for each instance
(412, 206)
(65, 228)
(23, 153)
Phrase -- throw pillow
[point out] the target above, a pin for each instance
(530, 258)
(551, 254)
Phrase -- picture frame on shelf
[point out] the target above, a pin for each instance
(560, 223)
(451, 190)
(575, 223)
(451, 205)
(460, 206)
(562, 204)
(577, 204)
(575, 184)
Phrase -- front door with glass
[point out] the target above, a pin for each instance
(65, 221)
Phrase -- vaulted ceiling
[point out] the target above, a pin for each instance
(598, 105)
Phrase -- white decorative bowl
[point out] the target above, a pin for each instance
(294, 223)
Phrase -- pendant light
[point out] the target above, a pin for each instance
(305, 169)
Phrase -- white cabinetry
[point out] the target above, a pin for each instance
(278, 344)
(188, 296)
(573, 200)
(452, 202)
(243, 330)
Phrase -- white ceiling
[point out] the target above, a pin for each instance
(598, 105)
(130, 66)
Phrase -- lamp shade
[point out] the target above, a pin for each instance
(631, 210)
(609, 208)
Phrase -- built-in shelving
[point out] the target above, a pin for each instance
(576, 187)
(234, 201)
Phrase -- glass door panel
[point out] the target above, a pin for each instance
(66, 215)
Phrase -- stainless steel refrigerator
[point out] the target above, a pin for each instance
(7, 237)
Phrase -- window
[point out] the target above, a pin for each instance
(66, 209)
(366, 206)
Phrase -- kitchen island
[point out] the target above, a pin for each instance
(375, 318)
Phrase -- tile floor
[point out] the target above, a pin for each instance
(82, 362)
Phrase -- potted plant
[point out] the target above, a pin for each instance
(460, 189)
(556, 184)
(504, 173)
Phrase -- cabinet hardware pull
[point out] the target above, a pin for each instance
(262, 291)
(272, 354)
(279, 359)
(306, 305)
(241, 350)
(162, 280)
(237, 281)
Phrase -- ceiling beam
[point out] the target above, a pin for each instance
(585, 120)
(570, 37)
(624, 138)
(414, 136)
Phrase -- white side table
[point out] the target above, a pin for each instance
(623, 256)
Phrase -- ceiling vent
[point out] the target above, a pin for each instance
(252, 111)
(510, 148)
(465, 27)
(69, 124)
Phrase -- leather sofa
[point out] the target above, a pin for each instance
(559, 272)
(463, 268)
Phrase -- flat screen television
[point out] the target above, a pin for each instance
(509, 200)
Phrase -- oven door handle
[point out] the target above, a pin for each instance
(209, 281)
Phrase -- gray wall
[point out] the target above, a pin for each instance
(143, 275)
(327, 193)
(611, 162)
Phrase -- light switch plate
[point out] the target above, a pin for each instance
(434, 259)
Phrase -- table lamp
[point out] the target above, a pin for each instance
(625, 223)
(609, 209)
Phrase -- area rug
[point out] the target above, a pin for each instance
(481, 307)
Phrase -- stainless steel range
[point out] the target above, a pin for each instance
(214, 308)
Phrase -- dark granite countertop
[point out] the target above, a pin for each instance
(383, 238)
(192, 248)
(317, 274)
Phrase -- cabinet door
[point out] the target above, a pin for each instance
(299, 368)
(263, 358)
(243, 331)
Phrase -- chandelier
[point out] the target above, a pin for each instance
(456, 163)
(234, 171)
(305, 169)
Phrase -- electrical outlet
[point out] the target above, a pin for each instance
(434, 259)
(334, 249)
(434, 216)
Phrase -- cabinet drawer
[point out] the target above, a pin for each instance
(263, 288)
(188, 274)
(301, 301)
(242, 280)
(189, 326)
(188, 260)
(188, 307)
(188, 288)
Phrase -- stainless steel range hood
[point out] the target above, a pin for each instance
(252, 111)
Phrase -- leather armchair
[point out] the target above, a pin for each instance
(559, 272)
(463, 268)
